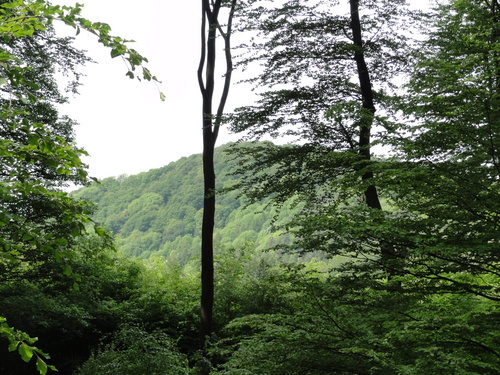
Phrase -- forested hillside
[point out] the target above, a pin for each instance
(409, 274)
(158, 213)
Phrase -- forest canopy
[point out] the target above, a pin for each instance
(329, 258)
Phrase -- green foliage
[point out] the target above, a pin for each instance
(245, 283)
(40, 225)
(135, 351)
(408, 289)
(450, 147)
(309, 91)
(71, 324)
(37, 151)
(417, 291)
(330, 324)
(158, 213)
(21, 19)
(38, 157)
(20, 341)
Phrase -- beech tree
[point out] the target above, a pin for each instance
(430, 306)
(449, 145)
(328, 71)
(211, 28)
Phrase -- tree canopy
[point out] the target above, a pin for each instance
(384, 259)
(426, 258)
(39, 223)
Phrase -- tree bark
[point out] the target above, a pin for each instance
(371, 194)
(211, 124)
(389, 257)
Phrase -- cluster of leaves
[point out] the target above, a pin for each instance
(21, 342)
(328, 323)
(24, 18)
(134, 351)
(421, 272)
(114, 293)
(279, 320)
(39, 223)
(133, 315)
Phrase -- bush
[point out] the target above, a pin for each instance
(134, 351)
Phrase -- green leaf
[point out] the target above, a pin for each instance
(118, 50)
(41, 366)
(76, 231)
(67, 270)
(13, 346)
(33, 139)
(61, 242)
(10, 5)
(25, 351)
(100, 231)
(147, 74)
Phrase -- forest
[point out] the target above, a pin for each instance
(354, 228)
(158, 213)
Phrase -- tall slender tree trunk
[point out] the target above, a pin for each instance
(207, 258)
(371, 194)
(390, 259)
(211, 122)
(207, 89)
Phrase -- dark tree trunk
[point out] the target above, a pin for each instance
(211, 123)
(371, 195)
(207, 268)
(390, 259)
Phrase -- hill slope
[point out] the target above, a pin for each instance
(159, 212)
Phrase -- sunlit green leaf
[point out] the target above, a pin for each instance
(13, 345)
(41, 366)
(25, 351)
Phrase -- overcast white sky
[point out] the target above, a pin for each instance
(123, 124)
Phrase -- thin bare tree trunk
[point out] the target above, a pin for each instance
(211, 123)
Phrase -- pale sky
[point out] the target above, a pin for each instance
(123, 124)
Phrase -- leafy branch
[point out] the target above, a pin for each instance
(23, 18)
(22, 343)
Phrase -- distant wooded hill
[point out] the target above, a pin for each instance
(159, 212)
